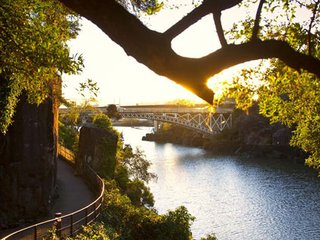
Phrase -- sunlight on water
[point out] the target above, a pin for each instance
(234, 198)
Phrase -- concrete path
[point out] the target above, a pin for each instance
(73, 193)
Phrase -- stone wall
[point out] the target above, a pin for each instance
(98, 148)
(28, 155)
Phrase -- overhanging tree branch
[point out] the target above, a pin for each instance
(154, 50)
(236, 54)
(187, 21)
(314, 13)
(217, 22)
(207, 7)
(256, 26)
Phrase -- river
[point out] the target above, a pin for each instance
(234, 198)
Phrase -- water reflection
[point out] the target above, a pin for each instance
(235, 198)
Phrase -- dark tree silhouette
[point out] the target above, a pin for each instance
(153, 49)
(112, 112)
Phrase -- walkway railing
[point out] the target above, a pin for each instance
(66, 154)
(69, 224)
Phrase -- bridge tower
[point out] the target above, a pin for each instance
(155, 125)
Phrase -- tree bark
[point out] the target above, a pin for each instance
(153, 49)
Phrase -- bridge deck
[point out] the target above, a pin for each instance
(199, 117)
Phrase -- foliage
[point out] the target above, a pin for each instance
(71, 120)
(139, 193)
(34, 52)
(88, 89)
(167, 127)
(142, 6)
(209, 237)
(112, 112)
(178, 223)
(68, 136)
(280, 20)
(136, 164)
(127, 206)
(284, 95)
(288, 97)
(103, 121)
(52, 234)
(95, 231)
(293, 99)
(134, 222)
(106, 155)
(131, 174)
(122, 220)
(129, 164)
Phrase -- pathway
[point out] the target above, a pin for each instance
(73, 193)
(72, 190)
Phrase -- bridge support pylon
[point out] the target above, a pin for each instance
(155, 126)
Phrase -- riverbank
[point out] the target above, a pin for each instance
(251, 136)
(231, 196)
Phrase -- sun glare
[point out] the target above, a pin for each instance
(220, 82)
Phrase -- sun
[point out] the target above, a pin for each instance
(224, 80)
(220, 82)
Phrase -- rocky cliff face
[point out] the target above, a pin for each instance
(258, 138)
(256, 130)
(97, 147)
(28, 164)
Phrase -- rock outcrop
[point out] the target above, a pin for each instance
(98, 148)
(251, 134)
(28, 155)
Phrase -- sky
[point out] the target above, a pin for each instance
(122, 80)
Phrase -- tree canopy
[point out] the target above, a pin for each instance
(33, 51)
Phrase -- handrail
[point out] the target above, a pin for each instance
(66, 153)
(66, 225)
